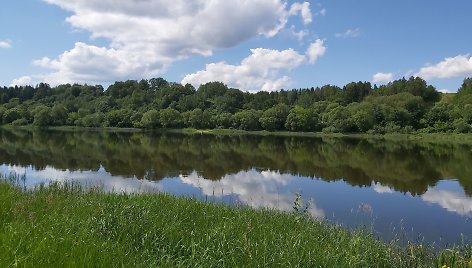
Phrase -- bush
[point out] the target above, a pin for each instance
(20, 122)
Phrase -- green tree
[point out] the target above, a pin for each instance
(58, 115)
(247, 120)
(92, 120)
(223, 120)
(274, 118)
(302, 119)
(363, 116)
(464, 94)
(42, 117)
(11, 115)
(338, 119)
(170, 118)
(150, 119)
(2, 112)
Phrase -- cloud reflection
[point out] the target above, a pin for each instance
(99, 178)
(455, 202)
(257, 189)
(382, 189)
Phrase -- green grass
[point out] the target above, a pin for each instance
(423, 137)
(64, 226)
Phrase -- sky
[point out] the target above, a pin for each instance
(252, 45)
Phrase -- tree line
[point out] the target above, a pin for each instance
(402, 106)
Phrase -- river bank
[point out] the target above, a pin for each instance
(63, 225)
(458, 138)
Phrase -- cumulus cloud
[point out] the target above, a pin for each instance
(382, 78)
(350, 33)
(22, 81)
(315, 51)
(260, 71)
(5, 44)
(458, 66)
(147, 36)
(304, 10)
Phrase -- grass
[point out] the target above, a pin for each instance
(63, 226)
(424, 137)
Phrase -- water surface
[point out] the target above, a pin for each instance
(408, 189)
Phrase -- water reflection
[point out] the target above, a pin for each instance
(382, 189)
(99, 179)
(258, 189)
(379, 181)
(455, 202)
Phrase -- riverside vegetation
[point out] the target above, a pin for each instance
(63, 225)
(402, 106)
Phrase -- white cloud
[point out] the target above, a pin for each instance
(382, 78)
(315, 51)
(323, 12)
(452, 201)
(260, 71)
(458, 66)
(5, 44)
(300, 35)
(147, 36)
(350, 33)
(22, 81)
(305, 11)
(445, 90)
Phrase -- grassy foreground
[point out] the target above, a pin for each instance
(63, 226)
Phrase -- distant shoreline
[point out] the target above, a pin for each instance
(458, 138)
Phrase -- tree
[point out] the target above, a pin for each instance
(170, 118)
(150, 119)
(363, 116)
(2, 112)
(119, 118)
(92, 120)
(247, 120)
(223, 120)
(302, 119)
(158, 83)
(58, 115)
(464, 94)
(42, 117)
(199, 119)
(274, 118)
(355, 92)
(11, 115)
(338, 119)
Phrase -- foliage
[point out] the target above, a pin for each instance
(405, 105)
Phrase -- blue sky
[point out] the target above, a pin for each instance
(253, 45)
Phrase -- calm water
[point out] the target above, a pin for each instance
(413, 189)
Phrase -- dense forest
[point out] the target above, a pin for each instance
(403, 106)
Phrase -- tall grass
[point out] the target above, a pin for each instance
(63, 225)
